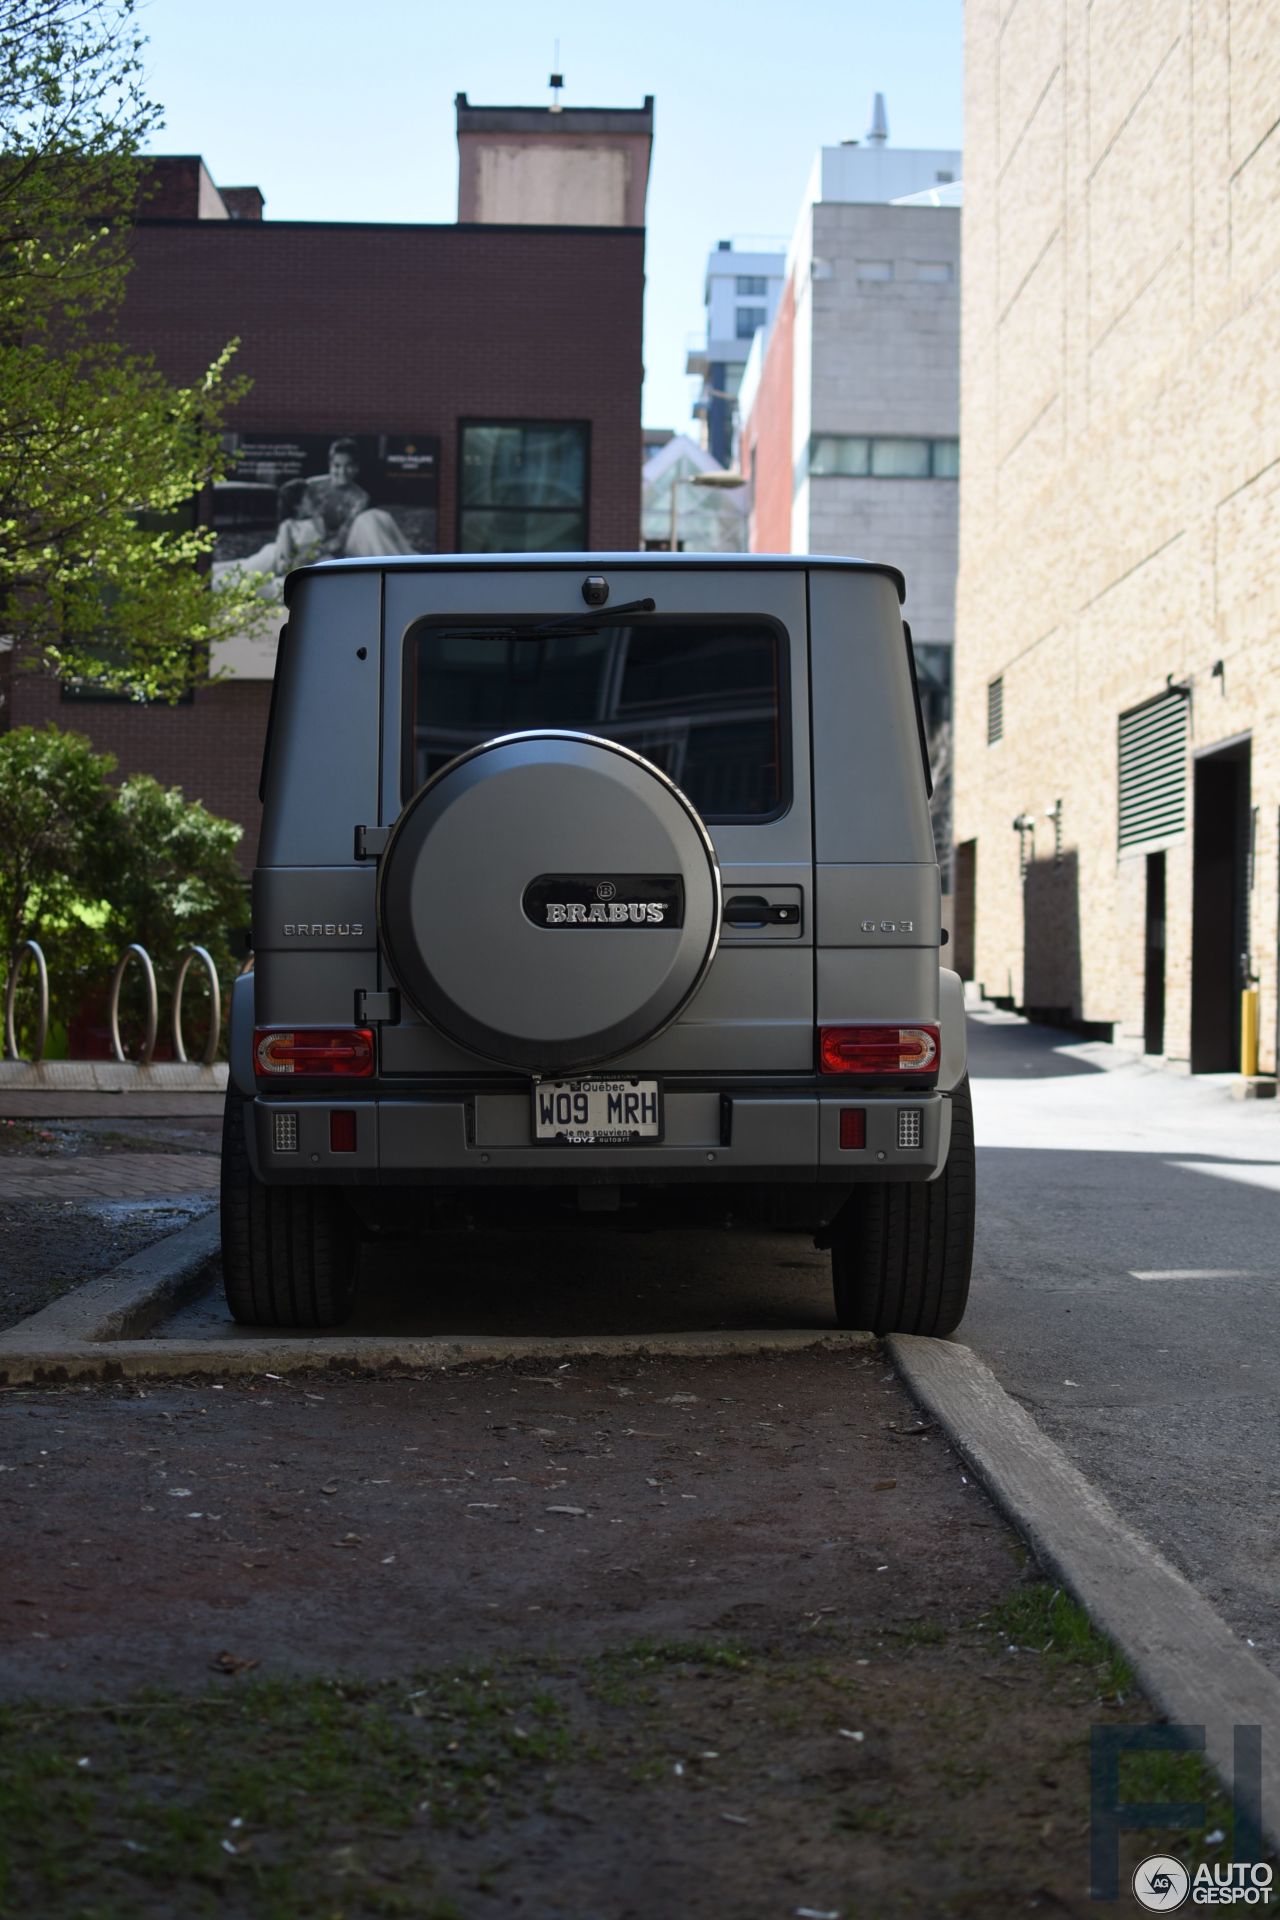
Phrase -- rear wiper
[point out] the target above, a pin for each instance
(584, 622)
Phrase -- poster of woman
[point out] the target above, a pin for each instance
(292, 498)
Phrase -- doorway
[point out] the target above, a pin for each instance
(1153, 994)
(964, 904)
(1219, 907)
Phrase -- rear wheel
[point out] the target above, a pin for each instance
(901, 1255)
(288, 1253)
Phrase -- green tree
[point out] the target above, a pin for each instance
(101, 456)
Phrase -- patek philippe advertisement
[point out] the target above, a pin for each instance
(290, 498)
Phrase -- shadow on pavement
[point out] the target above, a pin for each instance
(580, 1279)
(1020, 1051)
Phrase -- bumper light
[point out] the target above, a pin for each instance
(881, 1049)
(910, 1129)
(321, 1052)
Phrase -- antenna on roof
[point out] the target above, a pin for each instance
(556, 82)
(878, 131)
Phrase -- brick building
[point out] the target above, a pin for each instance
(1118, 628)
(506, 349)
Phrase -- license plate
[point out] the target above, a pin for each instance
(597, 1113)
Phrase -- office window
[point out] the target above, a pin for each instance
(995, 710)
(936, 272)
(882, 457)
(748, 320)
(523, 486)
(840, 453)
(753, 286)
(875, 269)
(900, 459)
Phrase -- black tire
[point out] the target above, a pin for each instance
(288, 1253)
(901, 1255)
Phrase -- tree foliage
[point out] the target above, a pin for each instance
(101, 456)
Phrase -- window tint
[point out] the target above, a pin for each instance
(749, 319)
(701, 701)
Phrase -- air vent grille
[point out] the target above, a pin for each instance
(995, 710)
(1153, 772)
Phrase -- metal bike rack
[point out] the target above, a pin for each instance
(210, 1053)
(16, 959)
(153, 1012)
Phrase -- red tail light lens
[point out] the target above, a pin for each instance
(853, 1127)
(322, 1052)
(879, 1049)
(342, 1131)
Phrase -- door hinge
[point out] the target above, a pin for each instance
(376, 1006)
(371, 842)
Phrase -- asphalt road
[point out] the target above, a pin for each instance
(1127, 1291)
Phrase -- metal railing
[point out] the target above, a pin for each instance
(29, 950)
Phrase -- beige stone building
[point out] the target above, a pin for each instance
(1118, 622)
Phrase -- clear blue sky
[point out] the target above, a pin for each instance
(343, 109)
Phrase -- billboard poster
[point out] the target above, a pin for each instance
(293, 497)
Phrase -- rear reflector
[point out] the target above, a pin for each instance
(853, 1126)
(320, 1051)
(342, 1132)
(879, 1049)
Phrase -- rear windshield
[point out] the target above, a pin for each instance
(700, 699)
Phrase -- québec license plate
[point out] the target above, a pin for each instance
(597, 1113)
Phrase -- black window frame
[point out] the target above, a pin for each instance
(461, 506)
(475, 624)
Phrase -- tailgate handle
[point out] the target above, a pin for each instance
(753, 910)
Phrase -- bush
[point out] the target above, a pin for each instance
(86, 868)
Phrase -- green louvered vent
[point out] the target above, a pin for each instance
(1153, 772)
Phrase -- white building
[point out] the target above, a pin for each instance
(850, 405)
(741, 290)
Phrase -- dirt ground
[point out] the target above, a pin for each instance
(645, 1638)
(49, 1246)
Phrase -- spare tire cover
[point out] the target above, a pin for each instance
(549, 900)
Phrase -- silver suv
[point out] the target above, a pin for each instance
(597, 884)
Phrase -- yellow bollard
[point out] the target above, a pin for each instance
(1249, 1032)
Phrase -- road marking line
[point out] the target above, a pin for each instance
(1193, 1273)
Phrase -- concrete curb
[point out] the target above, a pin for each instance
(1189, 1662)
(56, 1362)
(120, 1305)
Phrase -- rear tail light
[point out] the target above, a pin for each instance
(323, 1052)
(342, 1131)
(881, 1049)
(853, 1126)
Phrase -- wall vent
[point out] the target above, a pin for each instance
(1153, 772)
(995, 710)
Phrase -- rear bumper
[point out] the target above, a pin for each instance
(457, 1139)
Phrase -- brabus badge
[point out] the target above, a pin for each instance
(562, 900)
